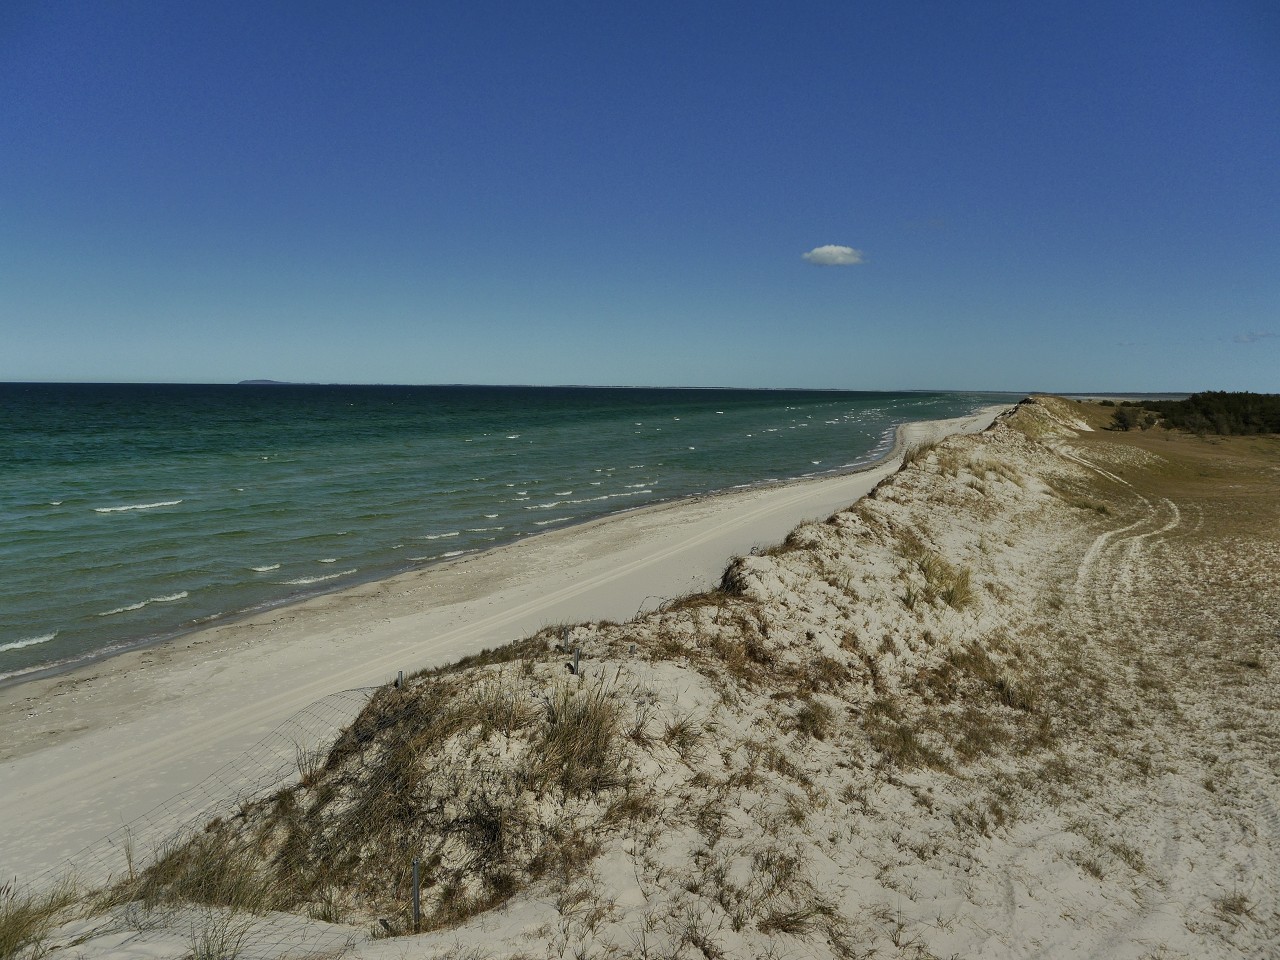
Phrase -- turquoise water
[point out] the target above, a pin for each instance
(130, 512)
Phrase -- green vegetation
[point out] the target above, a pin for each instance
(1214, 411)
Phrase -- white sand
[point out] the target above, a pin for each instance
(86, 752)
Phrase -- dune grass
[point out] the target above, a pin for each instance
(27, 917)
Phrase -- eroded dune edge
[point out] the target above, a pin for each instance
(1019, 701)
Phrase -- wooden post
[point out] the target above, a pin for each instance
(417, 898)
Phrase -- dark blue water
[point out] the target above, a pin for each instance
(134, 511)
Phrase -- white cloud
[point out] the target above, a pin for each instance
(834, 255)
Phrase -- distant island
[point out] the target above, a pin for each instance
(258, 383)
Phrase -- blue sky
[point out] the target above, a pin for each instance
(1058, 197)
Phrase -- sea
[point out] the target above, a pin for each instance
(130, 513)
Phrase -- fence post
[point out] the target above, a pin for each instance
(577, 652)
(400, 680)
(417, 898)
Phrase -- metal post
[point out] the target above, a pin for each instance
(577, 651)
(417, 898)
(400, 680)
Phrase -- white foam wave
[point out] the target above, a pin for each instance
(55, 503)
(543, 523)
(605, 496)
(483, 529)
(305, 581)
(137, 506)
(438, 536)
(453, 553)
(143, 603)
(329, 560)
(28, 642)
(266, 569)
(491, 516)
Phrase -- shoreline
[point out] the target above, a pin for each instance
(93, 747)
(88, 660)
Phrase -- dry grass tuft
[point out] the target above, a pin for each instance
(218, 935)
(918, 453)
(580, 744)
(26, 918)
(216, 868)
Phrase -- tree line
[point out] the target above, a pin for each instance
(1214, 411)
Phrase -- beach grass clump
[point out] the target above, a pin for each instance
(580, 748)
(28, 917)
(893, 734)
(942, 580)
(684, 734)
(814, 719)
(917, 454)
(217, 935)
(1232, 906)
(216, 868)
(955, 588)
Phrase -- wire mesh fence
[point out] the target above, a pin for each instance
(279, 759)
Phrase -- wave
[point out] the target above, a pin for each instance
(543, 523)
(329, 560)
(137, 506)
(306, 581)
(608, 496)
(267, 569)
(28, 642)
(142, 603)
(438, 536)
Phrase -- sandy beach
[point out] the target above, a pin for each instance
(82, 754)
